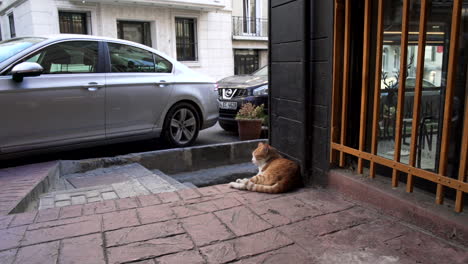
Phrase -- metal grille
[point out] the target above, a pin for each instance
(236, 92)
(186, 39)
(74, 23)
(370, 100)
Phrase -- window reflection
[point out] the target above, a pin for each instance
(433, 83)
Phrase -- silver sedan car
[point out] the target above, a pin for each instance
(76, 90)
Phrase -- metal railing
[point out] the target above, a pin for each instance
(371, 101)
(249, 27)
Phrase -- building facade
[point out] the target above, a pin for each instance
(249, 35)
(197, 33)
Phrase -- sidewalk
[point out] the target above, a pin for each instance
(219, 225)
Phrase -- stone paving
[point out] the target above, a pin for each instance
(220, 225)
(17, 182)
(108, 183)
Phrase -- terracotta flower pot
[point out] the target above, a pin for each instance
(249, 129)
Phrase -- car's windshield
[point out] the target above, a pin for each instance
(10, 47)
(261, 72)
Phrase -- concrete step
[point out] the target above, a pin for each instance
(178, 185)
(104, 176)
(217, 175)
(189, 185)
(109, 183)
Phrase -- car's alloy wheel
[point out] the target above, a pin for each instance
(181, 126)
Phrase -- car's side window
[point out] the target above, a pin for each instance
(162, 65)
(68, 57)
(126, 58)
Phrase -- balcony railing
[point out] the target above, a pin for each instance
(249, 27)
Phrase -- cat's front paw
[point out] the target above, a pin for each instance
(239, 184)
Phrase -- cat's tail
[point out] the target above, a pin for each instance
(278, 187)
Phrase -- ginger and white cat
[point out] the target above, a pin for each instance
(275, 173)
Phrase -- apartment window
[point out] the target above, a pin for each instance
(250, 16)
(138, 32)
(11, 20)
(245, 61)
(74, 23)
(186, 39)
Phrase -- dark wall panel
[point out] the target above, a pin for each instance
(275, 3)
(320, 26)
(321, 81)
(320, 68)
(320, 49)
(287, 80)
(320, 148)
(301, 46)
(287, 21)
(291, 51)
(319, 116)
(287, 136)
(289, 109)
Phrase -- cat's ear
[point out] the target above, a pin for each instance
(260, 144)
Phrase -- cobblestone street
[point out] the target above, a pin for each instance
(219, 225)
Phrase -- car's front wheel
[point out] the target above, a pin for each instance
(181, 125)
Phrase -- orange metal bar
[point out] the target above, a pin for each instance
(401, 88)
(378, 67)
(417, 91)
(365, 80)
(337, 63)
(344, 103)
(451, 72)
(463, 159)
(431, 176)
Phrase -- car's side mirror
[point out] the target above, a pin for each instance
(26, 69)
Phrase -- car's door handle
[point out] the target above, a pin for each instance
(162, 83)
(93, 86)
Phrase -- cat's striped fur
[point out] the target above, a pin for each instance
(276, 174)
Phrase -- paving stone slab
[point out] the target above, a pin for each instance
(228, 227)
(178, 185)
(130, 181)
(149, 248)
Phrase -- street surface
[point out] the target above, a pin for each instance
(212, 135)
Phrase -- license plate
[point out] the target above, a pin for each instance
(228, 105)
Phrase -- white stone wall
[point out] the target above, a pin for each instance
(215, 44)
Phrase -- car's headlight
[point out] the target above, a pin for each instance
(262, 90)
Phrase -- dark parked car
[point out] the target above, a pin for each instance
(239, 89)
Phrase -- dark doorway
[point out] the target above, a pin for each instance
(245, 61)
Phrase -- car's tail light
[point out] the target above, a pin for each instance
(216, 87)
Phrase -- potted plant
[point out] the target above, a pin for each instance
(249, 120)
